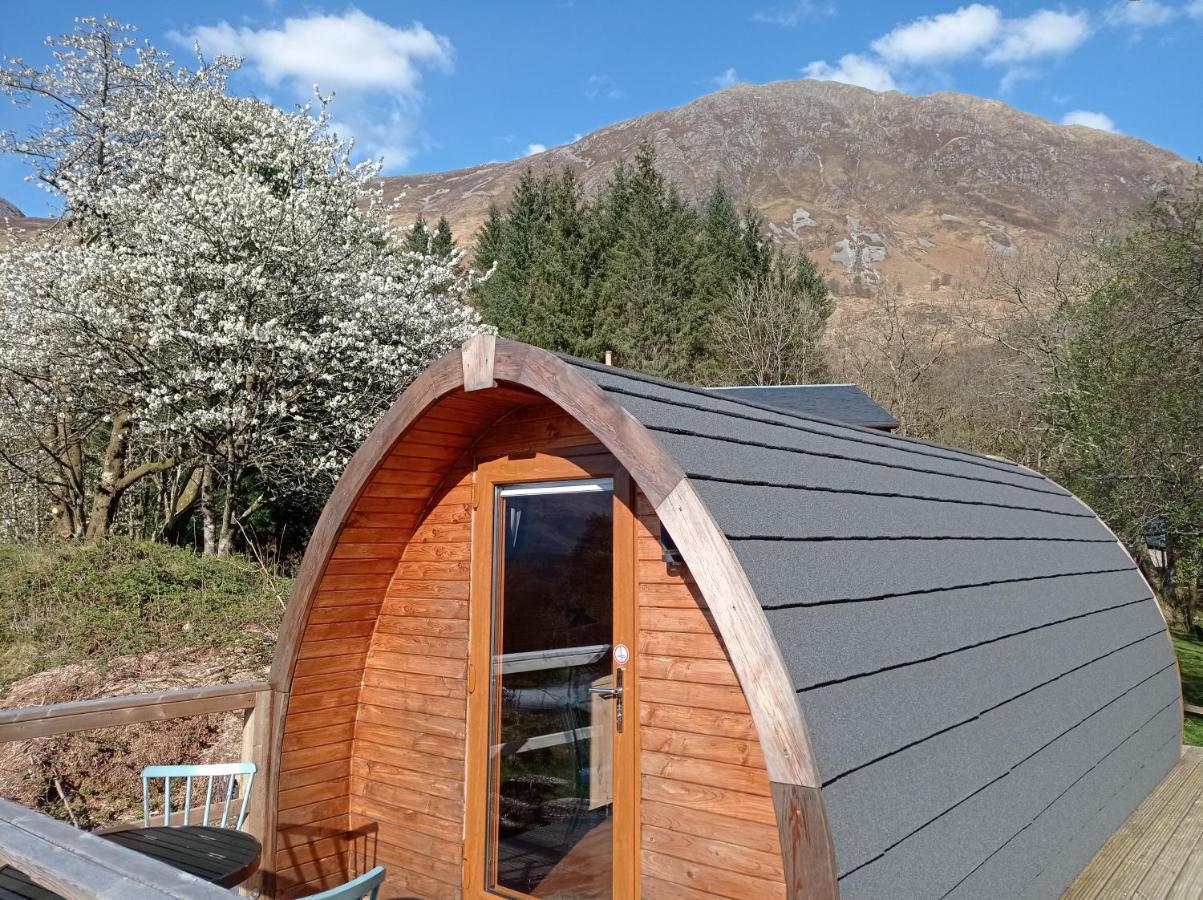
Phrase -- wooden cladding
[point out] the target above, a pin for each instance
(375, 711)
(707, 825)
(407, 777)
(372, 753)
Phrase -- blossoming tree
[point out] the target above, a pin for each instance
(223, 307)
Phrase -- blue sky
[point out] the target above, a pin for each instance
(443, 85)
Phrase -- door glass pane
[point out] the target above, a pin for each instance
(551, 737)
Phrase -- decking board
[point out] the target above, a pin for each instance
(1158, 852)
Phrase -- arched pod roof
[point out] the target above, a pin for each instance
(954, 648)
(985, 675)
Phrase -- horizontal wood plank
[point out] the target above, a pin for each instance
(30, 722)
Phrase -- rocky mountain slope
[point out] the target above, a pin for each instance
(919, 190)
(16, 226)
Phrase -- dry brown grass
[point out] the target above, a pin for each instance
(98, 772)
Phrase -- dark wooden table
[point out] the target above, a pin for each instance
(221, 856)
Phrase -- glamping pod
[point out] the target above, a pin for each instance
(565, 630)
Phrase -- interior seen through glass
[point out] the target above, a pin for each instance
(551, 738)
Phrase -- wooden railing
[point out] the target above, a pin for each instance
(85, 715)
(87, 862)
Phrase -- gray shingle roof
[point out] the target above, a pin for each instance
(986, 679)
(840, 402)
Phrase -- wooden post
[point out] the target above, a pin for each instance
(478, 354)
(260, 819)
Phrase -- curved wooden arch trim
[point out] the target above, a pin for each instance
(485, 361)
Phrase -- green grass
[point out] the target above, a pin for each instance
(1190, 663)
(66, 602)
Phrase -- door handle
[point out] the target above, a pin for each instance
(613, 693)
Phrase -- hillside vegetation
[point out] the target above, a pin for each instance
(68, 602)
(118, 617)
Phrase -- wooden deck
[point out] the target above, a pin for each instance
(1158, 852)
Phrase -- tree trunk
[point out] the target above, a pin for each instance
(208, 519)
(225, 543)
(116, 477)
(110, 485)
(67, 518)
(178, 502)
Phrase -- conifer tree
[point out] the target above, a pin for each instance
(506, 297)
(637, 270)
(442, 241)
(654, 315)
(561, 315)
(488, 239)
(418, 239)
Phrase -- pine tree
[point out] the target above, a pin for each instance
(561, 315)
(442, 241)
(755, 256)
(418, 239)
(654, 314)
(488, 239)
(506, 297)
(638, 270)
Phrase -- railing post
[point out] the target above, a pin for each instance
(256, 748)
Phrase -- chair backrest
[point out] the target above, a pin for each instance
(213, 771)
(366, 885)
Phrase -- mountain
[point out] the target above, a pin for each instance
(919, 190)
(16, 226)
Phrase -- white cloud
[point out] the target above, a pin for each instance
(602, 86)
(725, 79)
(791, 16)
(1140, 14)
(1014, 76)
(977, 31)
(352, 50)
(1043, 34)
(1194, 9)
(1090, 119)
(532, 149)
(369, 64)
(853, 69)
(941, 38)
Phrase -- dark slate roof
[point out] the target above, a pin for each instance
(985, 676)
(841, 402)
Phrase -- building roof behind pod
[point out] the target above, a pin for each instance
(986, 678)
(840, 402)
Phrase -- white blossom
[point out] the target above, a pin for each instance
(224, 275)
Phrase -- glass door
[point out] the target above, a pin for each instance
(555, 693)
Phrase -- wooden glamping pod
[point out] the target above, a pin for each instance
(861, 666)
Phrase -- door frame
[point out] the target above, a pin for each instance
(535, 467)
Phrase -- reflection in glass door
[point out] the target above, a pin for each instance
(554, 694)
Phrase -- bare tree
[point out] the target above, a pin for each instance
(769, 334)
(893, 351)
(1012, 311)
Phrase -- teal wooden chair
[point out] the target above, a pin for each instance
(366, 886)
(211, 772)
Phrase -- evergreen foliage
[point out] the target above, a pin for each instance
(418, 239)
(637, 270)
(442, 243)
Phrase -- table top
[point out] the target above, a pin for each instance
(221, 856)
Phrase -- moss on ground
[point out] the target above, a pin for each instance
(69, 602)
(1190, 664)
